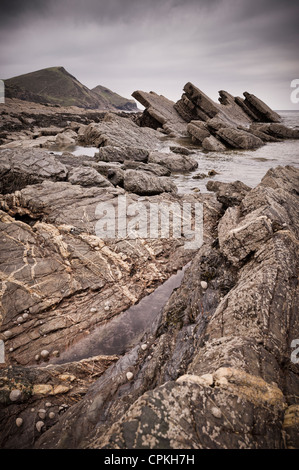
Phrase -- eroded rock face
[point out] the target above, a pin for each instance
(217, 370)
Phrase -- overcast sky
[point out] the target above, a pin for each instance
(159, 45)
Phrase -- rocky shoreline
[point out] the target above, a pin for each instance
(214, 370)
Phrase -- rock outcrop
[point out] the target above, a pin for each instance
(160, 113)
(217, 370)
(233, 123)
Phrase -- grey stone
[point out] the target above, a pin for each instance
(174, 162)
(144, 183)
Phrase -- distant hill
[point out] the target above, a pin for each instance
(56, 86)
(113, 98)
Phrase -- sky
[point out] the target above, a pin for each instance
(158, 45)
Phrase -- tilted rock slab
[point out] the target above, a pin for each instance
(163, 112)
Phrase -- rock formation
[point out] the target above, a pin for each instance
(233, 123)
(216, 371)
(214, 368)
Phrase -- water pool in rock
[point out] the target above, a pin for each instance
(125, 330)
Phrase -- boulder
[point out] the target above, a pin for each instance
(162, 110)
(229, 194)
(120, 154)
(120, 132)
(198, 130)
(276, 131)
(145, 183)
(239, 139)
(155, 168)
(66, 138)
(174, 162)
(87, 177)
(212, 144)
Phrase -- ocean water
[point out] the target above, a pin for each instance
(248, 166)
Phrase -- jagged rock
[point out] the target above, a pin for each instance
(163, 111)
(260, 109)
(180, 150)
(154, 168)
(200, 99)
(116, 154)
(258, 130)
(101, 167)
(198, 129)
(276, 131)
(229, 194)
(188, 110)
(173, 162)
(212, 144)
(116, 176)
(18, 168)
(120, 132)
(144, 183)
(237, 138)
(87, 177)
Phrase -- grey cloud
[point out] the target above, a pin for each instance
(157, 45)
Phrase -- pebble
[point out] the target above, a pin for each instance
(56, 353)
(51, 415)
(42, 413)
(15, 394)
(48, 404)
(204, 284)
(143, 347)
(32, 410)
(20, 319)
(7, 333)
(129, 375)
(37, 357)
(19, 422)
(25, 315)
(10, 349)
(39, 425)
(93, 310)
(44, 354)
(216, 412)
